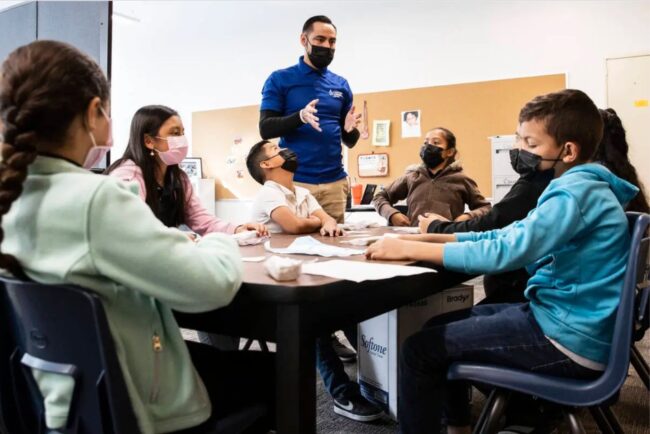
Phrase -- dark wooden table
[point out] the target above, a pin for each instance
(293, 314)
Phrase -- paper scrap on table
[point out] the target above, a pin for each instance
(348, 233)
(406, 229)
(253, 258)
(363, 241)
(357, 271)
(362, 224)
(310, 246)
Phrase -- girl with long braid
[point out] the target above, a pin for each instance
(62, 224)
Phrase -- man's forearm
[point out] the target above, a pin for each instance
(273, 124)
(350, 138)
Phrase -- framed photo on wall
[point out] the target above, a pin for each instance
(372, 165)
(193, 167)
(381, 133)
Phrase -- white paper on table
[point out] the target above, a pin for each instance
(253, 258)
(349, 233)
(310, 246)
(357, 271)
(406, 229)
(363, 241)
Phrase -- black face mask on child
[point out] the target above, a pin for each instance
(524, 162)
(290, 160)
(431, 155)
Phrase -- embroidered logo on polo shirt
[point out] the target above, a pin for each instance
(336, 93)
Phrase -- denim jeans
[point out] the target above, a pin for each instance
(501, 334)
(336, 381)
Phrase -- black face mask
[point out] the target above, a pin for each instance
(431, 156)
(290, 160)
(321, 57)
(524, 162)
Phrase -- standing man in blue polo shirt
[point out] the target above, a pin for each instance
(310, 109)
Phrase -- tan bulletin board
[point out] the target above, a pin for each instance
(473, 111)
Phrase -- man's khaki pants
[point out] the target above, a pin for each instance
(331, 196)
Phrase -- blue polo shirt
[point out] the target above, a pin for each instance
(289, 90)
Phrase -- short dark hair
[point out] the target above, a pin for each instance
(570, 116)
(255, 156)
(309, 24)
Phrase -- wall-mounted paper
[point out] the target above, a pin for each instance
(381, 133)
(411, 123)
(373, 165)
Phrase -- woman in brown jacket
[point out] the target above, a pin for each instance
(437, 186)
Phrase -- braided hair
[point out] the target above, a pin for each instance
(44, 86)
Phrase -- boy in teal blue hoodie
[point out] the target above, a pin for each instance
(574, 244)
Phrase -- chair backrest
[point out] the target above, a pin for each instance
(642, 305)
(8, 423)
(619, 357)
(63, 329)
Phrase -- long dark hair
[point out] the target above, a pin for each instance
(612, 152)
(44, 86)
(147, 122)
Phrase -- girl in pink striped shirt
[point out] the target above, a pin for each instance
(156, 145)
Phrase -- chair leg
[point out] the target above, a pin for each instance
(492, 411)
(484, 412)
(500, 404)
(247, 344)
(640, 365)
(612, 419)
(263, 345)
(575, 426)
(605, 419)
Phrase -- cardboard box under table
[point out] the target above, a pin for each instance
(380, 340)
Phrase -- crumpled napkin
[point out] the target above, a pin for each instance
(282, 269)
(248, 238)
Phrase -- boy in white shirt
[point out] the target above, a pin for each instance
(285, 207)
(281, 205)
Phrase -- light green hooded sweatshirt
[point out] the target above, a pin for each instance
(70, 226)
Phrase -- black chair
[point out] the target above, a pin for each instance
(642, 313)
(63, 329)
(8, 424)
(598, 394)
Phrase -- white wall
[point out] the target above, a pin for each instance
(203, 55)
